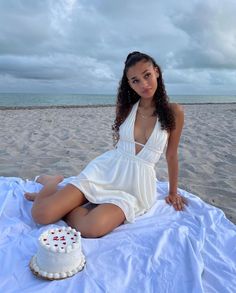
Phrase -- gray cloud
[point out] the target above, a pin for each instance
(210, 28)
(80, 46)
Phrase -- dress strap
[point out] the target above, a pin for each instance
(143, 145)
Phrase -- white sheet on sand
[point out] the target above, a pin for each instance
(163, 251)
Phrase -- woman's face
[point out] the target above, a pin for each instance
(142, 78)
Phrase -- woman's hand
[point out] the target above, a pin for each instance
(177, 201)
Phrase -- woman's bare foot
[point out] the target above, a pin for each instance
(44, 180)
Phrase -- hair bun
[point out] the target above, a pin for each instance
(131, 55)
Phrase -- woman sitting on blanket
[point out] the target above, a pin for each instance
(121, 182)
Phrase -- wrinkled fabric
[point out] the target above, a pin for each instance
(163, 251)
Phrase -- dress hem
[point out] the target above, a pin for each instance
(86, 195)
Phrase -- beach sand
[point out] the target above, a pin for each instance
(64, 140)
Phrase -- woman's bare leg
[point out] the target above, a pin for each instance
(49, 183)
(77, 213)
(97, 222)
(51, 205)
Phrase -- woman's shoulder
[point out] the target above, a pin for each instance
(177, 108)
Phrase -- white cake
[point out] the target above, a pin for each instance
(59, 254)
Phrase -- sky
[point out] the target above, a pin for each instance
(79, 46)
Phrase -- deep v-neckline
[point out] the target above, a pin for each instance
(150, 136)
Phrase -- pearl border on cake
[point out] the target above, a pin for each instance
(55, 276)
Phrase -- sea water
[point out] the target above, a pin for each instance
(44, 100)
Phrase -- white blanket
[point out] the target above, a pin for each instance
(163, 251)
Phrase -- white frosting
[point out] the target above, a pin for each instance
(59, 254)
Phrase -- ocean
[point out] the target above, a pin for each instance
(22, 100)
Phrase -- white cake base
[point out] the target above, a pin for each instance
(54, 276)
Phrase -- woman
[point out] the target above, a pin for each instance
(121, 182)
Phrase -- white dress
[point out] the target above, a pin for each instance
(122, 177)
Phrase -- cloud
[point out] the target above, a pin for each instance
(78, 45)
(210, 29)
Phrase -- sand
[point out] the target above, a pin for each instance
(64, 140)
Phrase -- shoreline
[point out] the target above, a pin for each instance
(2, 108)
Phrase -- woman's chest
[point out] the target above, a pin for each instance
(143, 129)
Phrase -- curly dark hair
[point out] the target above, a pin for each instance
(127, 97)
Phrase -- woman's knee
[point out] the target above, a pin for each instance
(42, 216)
(54, 207)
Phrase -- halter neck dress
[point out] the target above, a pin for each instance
(122, 177)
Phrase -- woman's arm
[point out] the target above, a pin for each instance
(172, 158)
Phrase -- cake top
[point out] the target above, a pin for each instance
(63, 239)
